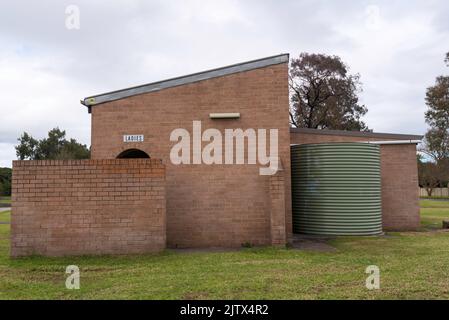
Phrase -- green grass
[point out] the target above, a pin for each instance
(413, 266)
(433, 204)
(5, 216)
(433, 213)
(435, 197)
(5, 200)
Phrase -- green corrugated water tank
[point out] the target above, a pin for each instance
(336, 189)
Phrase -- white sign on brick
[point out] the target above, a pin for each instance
(133, 138)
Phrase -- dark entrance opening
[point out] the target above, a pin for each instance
(133, 153)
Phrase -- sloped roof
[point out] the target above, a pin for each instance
(178, 81)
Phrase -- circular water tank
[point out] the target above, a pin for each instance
(336, 189)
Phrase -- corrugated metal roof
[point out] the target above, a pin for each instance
(357, 134)
(178, 81)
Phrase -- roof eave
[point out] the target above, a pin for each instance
(187, 79)
(362, 134)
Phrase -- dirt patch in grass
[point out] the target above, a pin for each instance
(313, 245)
(204, 250)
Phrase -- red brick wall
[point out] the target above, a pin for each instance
(207, 205)
(77, 207)
(399, 175)
(400, 199)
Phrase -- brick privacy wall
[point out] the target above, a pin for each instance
(78, 207)
(400, 199)
(207, 205)
(399, 176)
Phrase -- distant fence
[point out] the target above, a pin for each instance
(437, 192)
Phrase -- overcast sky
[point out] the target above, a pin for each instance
(398, 48)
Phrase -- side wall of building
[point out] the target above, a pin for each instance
(79, 207)
(400, 188)
(207, 205)
(399, 175)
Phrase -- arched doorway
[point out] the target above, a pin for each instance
(133, 153)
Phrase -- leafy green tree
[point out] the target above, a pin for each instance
(5, 181)
(71, 149)
(53, 147)
(436, 142)
(50, 147)
(437, 117)
(324, 95)
(27, 147)
(429, 174)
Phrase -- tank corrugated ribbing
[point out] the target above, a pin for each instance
(336, 189)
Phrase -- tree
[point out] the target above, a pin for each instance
(436, 142)
(5, 181)
(429, 176)
(437, 117)
(324, 94)
(54, 147)
(51, 147)
(27, 147)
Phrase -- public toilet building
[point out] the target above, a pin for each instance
(140, 193)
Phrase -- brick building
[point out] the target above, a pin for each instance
(115, 204)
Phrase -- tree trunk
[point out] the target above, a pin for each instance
(429, 191)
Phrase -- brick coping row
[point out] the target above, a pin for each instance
(30, 163)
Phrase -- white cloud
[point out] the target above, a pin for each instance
(214, 12)
(36, 100)
(7, 154)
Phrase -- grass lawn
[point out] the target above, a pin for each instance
(5, 200)
(433, 212)
(5, 216)
(412, 265)
(435, 197)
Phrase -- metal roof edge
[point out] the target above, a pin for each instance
(365, 134)
(186, 79)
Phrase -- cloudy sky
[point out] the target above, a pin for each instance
(398, 48)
